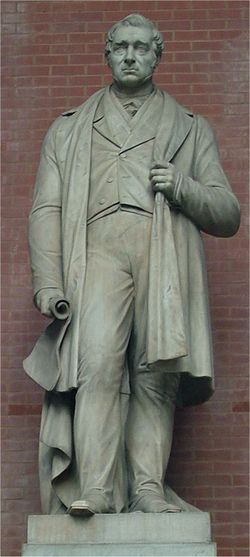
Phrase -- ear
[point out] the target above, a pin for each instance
(107, 58)
(158, 59)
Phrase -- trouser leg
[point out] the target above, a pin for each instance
(105, 328)
(152, 403)
(150, 430)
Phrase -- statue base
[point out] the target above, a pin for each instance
(180, 534)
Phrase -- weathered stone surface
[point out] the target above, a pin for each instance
(177, 549)
(130, 528)
(181, 534)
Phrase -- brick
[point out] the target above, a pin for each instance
(230, 492)
(129, 5)
(238, 529)
(86, 58)
(241, 407)
(181, 46)
(242, 541)
(37, 7)
(26, 409)
(243, 504)
(213, 504)
(50, 59)
(192, 14)
(63, 6)
(226, 551)
(8, 7)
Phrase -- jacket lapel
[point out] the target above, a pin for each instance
(111, 119)
(144, 124)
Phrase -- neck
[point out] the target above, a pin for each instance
(143, 89)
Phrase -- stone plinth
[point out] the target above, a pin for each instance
(181, 534)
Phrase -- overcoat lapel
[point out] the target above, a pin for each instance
(175, 126)
(76, 187)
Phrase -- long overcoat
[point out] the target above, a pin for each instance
(202, 201)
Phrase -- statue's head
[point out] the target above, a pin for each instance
(133, 49)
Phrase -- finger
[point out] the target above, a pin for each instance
(163, 183)
(161, 178)
(159, 187)
(163, 188)
(160, 164)
(45, 310)
(47, 313)
(162, 172)
(159, 169)
(159, 172)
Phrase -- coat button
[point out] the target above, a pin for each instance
(124, 156)
(110, 179)
(102, 201)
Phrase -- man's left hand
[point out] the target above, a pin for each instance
(163, 178)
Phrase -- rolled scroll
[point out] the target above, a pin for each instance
(59, 307)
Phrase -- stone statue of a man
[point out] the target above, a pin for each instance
(126, 183)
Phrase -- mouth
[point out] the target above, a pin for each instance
(129, 70)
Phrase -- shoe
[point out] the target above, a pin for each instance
(152, 503)
(81, 508)
(87, 508)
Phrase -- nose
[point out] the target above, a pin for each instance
(130, 55)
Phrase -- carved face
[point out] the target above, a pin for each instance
(132, 57)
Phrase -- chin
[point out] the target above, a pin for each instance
(132, 81)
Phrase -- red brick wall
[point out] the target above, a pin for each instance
(52, 60)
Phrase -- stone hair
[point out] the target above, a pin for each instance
(136, 20)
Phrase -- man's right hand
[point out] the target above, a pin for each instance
(43, 297)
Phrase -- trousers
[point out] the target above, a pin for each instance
(113, 339)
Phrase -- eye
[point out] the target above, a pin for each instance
(142, 49)
(119, 48)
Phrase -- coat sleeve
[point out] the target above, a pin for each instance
(207, 199)
(45, 221)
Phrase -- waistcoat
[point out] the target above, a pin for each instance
(122, 156)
